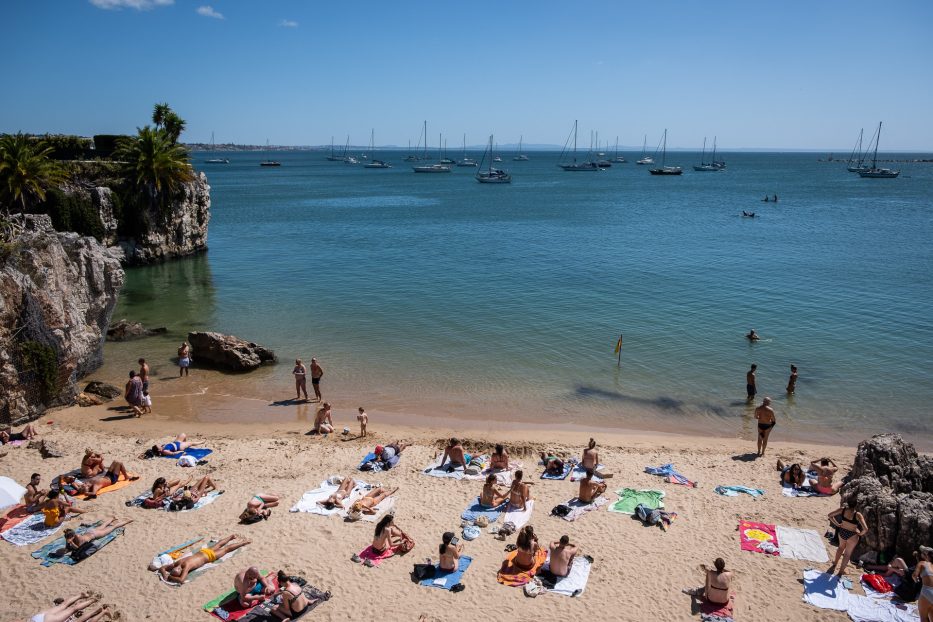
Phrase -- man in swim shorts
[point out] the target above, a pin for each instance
(178, 570)
(765, 416)
(252, 588)
(317, 372)
(750, 387)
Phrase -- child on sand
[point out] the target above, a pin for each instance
(147, 403)
(363, 418)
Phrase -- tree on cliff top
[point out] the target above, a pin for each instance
(154, 164)
(26, 171)
(168, 121)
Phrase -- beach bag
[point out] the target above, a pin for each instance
(367, 466)
(151, 504)
(179, 505)
(482, 521)
(643, 513)
(84, 551)
(422, 572)
(471, 533)
(560, 510)
(187, 461)
(877, 583)
(533, 588)
(909, 590)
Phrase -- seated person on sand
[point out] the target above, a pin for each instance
(527, 548)
(792, 474)
(7, 435)
(84, 605)
(368, 503)
(251, 587)
(562, 556)
(825, 469)
(591, 460)
(259, 507)
(162, 490)
(111, 476)
(388, 535)
(178, 570)
(347, 484)
(450, 553)
(492, 497)
(454, 453)
(56, 509)
(589, 489)
(519, 493)
(499, 460)
(323, 422)
(294, 602)
(92, 463)
(718, 588)
(552, 464)
(174, 448)
(74, 541)
(201, 488)
(34, 495)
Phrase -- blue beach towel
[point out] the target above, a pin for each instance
(733, 491)
(55, 552)
(668, 471)
(568, 467)
(446, 580)
(198, 453)
(476, 510)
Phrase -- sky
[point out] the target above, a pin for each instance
(789, 75)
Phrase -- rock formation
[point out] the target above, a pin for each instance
(57, 293)
(228, 352)
(127, 331)
(103, 390)
(893, 488)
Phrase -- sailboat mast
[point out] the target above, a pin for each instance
(664, 149)
(574, 139)
(703, 156)
(425, 130)
(874, 159)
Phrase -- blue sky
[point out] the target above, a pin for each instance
(780, 75)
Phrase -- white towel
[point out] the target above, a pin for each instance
(308, 501)
(519, 517)
(384, 506)
(578, 508)
(801, 544)
(826, 591)
(195, 573)
(576, 580)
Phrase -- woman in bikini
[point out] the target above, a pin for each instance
(84, 605)
(367, 504)
(204, 486)
(499, 461)
(74, 541)
(7, 435)
(924, 573)
(791, 474)
(450, 554)
(850, 525)
(718, 588)
(162, 489)
(174, 448)
(178, 571)
(527, 548)
(552, 464)
(259, 507)
(492, 497)
(387, 535)
(519, 493)
(294, 602)
(346, 487)
(591, 460)
(92, 464)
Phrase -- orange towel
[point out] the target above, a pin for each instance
(513, 576)
(14, 517)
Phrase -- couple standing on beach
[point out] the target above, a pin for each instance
(301, 382)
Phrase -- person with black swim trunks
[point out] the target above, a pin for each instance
(765, 416)
(750, 387)
(317, 372)
(850, 525)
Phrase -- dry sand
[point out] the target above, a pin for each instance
(638, 572)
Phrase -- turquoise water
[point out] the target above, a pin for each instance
(437, 295)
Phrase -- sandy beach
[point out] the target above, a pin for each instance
(638, 571)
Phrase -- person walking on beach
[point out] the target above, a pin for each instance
(184, 359)
(301, 379)
(792, 381)
(317, 372)
(144, 373)
(133, 393)
(765, 416)
(750, 387)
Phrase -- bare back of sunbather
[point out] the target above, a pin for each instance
(346, 487)
(518, 495)
(373, 498)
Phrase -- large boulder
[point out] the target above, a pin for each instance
(103, 390)
(893, 488)
(228, 352)
(127, 331)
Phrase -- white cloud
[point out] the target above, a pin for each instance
(208, 11)
(139, 5)
(288, 23)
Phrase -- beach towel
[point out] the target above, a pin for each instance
(571, 585)
(370, 463)
(629, 499)
(227, 605)
(14, 516)
(671, 475)
(435, 470)
(194, 574)
(55, 551)
(519, 518)
(513, 576)
(29, 531)
(759, 537)
(801, 544)
(198, 453)
(827, 592)
(446, 579)
(733, 491)
(475, 510)
(205, 500)
(309, 500)
(382, 508)
(579, 508)
(788, 490)
(369, 553)
(568, 467)
(716, 612)
(123, 482)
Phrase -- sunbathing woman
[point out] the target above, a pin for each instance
(792, 474)
(56, 509)
(294, 602)
(367, 504)
(178, 571)
(492, 497)
(527, 546)
(7, 435)
(718, 588)
(450, 554)
(552, 464)
(68, 608)
(519, 493)
(259, 507)
(347, 484)
(162, 490)
(74, 541)
(499, 461)
(897, 567)
(111, 476)
(851, 526)
(174, 448)
(388, 536)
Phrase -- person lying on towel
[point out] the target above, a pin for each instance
(552, 464)
(178, 570)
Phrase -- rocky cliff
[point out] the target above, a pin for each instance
(57, 293)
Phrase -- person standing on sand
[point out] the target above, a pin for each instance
(133, 393)
(792, 381)
(363, 418)
(317, 372)
(184, 359)
(765, 416)
(144, 373)
(750, 388)
(301, 379)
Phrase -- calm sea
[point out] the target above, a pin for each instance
(433, 294)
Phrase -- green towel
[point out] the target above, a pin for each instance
(629, 498)
(210, 606)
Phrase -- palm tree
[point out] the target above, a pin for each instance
(168, 121)
(159, 112)
(154, 164)
(26, 171)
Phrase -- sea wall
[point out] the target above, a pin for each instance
(57, 294)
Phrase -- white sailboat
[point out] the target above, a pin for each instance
(858, 166)
(333, 157)
(618, 158)
(645, 158)
(521, 157)
(492, 175)
(431, 168)
(703, 166)
(215, 160)
(373, 162)
(574, 166)
(666, 170)
(464, 160)
(874, 172)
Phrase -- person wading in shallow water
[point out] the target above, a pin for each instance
(792, 381)
(301, 379)
(317, 372)
(184, 359)
(765, 416)
(750, 388)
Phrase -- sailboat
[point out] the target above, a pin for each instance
(521, 157)
(492, 175)
(373, 162)
(431, 168)
(497, 157)
(464, 160)
(703, 166)
(619, 159)
(215, 160)
(269, 162)
(857, 149)
(719, 164)
(645, 158)
(666, 170)
(333, 157)
(445, 159)
(347, 158)
(601, 160)
(874, 172)
(575, 166)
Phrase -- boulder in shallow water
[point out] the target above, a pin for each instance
(228, 352)
(88, 399)
(103, 390)
(127, 331)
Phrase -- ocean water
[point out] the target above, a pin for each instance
(436, 295)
